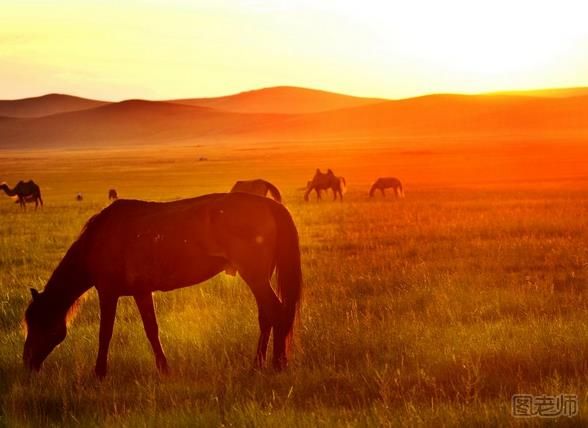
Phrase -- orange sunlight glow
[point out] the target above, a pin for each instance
(179, 48)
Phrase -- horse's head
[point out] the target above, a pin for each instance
(45, 330)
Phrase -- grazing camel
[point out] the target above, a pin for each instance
(325, 181)
(387, 183)
(25, 191)
(257, 187)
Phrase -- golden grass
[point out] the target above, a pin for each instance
(429, 311)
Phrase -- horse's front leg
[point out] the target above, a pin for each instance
(147, 310)
(108, 304)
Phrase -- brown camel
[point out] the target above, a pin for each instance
(325, 181)
(25, 191)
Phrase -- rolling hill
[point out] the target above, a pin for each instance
(281, 99)
(45, 105)
(131, 122)
(450, 115)
(137, 122)
(549, 93)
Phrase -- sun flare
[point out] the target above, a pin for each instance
(156, 49)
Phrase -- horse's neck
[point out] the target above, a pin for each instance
(69, 280)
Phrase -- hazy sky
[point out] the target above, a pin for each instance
(180, 48)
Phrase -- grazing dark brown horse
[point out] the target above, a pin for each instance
(133, 248)
(25, 191)
(257, 187)
(387, 183)
(112, 195)
(325, 181)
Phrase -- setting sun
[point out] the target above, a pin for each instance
(293, 213)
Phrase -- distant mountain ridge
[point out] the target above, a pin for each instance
(46, 105)
(280, 99)
(139, 122)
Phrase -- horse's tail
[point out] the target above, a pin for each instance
(400, 190)
(274, 191)
(343, 184)
(39, 196)
(289, 270)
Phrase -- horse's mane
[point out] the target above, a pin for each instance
(71, 261)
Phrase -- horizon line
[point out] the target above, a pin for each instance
(520, 92)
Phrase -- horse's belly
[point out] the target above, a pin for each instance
(186, 271)
(157, 264)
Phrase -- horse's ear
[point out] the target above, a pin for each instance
(34, 293)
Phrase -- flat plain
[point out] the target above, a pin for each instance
(432, 310)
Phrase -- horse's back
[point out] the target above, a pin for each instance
(183, 242)
(388, 181)
(257, 187)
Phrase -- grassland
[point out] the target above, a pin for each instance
(430, 311)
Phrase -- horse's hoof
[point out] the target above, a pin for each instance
(258, 364)
(100, 372)
(163, 368)
(280, 364)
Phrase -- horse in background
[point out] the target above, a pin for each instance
(112, 195)
(25, 191)
(325, 181)
(257, 187)
(387, 183)
(133, 248)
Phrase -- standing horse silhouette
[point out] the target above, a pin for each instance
(112, 195)
(325, 181)
(257, 187)
(387, 183)
(25, 191)
(133, 248)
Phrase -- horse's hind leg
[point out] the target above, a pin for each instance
(146, 309)
(270, 313)
(265, 329)
(107, 313)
